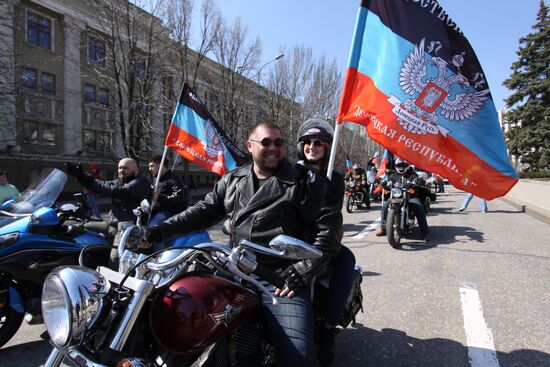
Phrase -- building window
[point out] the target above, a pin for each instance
(97, 140)
(96, 51)
(39, 30)
(30, 79)
(89, 93)
(139, 68)
(48, 83)
(39, 133)
(103, 97)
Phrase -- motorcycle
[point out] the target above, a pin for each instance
(375, 190)
(197, 306)
(35, 238)
(355, 196)
(400, 220)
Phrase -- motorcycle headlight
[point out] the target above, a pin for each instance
(396, 193)
(72, 298)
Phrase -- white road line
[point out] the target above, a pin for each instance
(369, 228)
(479, 338)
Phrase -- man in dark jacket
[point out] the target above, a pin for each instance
(260, 200)
(126, 193)
(172, 194)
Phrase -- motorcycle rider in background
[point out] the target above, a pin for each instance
(359, 175)
(314, 143)
(258, 201)
(126, 193)
(404, 172)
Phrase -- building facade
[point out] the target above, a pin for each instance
(57, 100)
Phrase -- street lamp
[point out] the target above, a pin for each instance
(258, 80)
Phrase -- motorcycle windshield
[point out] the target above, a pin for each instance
(42, 192)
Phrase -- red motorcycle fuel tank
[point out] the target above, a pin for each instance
(197, 310)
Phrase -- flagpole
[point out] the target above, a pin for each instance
(157, 180)
(333, 150)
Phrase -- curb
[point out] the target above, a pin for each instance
(534, 211)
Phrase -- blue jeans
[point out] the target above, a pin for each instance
(92, 200)
(341, 281)
(482, 203)
(291, 327)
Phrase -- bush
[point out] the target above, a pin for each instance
(538, 174)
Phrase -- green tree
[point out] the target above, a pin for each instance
(529, 117)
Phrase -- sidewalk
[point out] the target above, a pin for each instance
(531, 197)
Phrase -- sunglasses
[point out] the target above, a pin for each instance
(266, 142)
(314, 142)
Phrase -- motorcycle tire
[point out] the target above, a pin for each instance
(349, 204)
(393, 231)
(427, 205)
(10, 321)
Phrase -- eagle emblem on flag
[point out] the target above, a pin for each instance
(437, 89)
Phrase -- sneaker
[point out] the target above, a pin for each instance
(461, 209)
(327, 350)
(381, 232)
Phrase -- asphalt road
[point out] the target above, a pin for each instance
(476, 296)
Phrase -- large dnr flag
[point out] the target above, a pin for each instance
(415, 83)
(196, 136)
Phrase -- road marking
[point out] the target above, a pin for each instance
(479, 338)
(369, 228)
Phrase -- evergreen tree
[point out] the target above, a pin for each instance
(529, 117)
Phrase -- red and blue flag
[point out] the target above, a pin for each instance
(196, 136)
(349, 163)
(415, 83)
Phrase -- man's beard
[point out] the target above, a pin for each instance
(272, 169)
(127, 178)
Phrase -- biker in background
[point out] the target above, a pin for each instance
(314, 143)
(404, 173)
(126, 193)
(258, 201)
(359, 175)
(172, 194)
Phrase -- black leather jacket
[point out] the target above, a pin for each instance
(125, 197)
(295, 201)
(173, 194)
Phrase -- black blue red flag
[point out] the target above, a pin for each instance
(415, 83)
(197, 137)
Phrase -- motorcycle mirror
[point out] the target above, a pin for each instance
(69, 207)
(7, 204)
(293, 248)
(145, 206)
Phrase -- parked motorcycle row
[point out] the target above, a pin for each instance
(186, 305)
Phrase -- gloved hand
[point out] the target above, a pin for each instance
(294, 280)
(153, 234)
(74, 170)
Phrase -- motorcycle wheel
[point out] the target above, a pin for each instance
(10, 321)
(427, 205)
(393, 232)
(349, 204)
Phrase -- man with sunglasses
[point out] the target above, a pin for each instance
(7, 190)
(258, 201)
(359, 175)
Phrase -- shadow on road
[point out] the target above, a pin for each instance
(29, 354)
(362, 346)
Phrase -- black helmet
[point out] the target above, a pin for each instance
(401, 165)
(314, 128)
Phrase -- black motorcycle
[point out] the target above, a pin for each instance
(401, 219)
(355, 197)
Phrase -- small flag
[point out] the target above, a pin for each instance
(196, 136)
(415, 83)
(349, 163)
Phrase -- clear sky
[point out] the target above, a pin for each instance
(493, 28)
